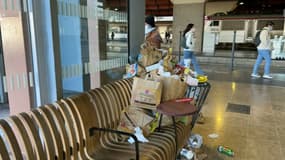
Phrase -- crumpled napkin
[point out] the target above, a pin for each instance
(139, 135)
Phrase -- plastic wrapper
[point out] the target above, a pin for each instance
(195, 141)
(131, 70)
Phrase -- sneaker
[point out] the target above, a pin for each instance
(255, 75)
(267, 76)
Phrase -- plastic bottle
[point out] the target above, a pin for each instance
(170, 50)
(225, 150)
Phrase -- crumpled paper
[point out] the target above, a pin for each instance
(139, 135)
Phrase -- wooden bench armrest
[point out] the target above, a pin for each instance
(96, 129)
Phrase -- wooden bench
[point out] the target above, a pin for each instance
(85, 127)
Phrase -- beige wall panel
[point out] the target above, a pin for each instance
(184, 14)
(15, 63)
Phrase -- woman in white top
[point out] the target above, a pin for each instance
(264, 49)
(189, 34)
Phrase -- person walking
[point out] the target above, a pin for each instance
(112, 35)
(264, 52)
(189, 35)
(151, 33)
(167, 36)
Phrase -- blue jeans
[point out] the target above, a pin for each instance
(263, 54)
(190, 55)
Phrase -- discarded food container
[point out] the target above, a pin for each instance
(195, 141)
(225, 150)
(187, 154)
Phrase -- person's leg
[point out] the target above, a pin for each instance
(267, 62)
(195, 64)
(186, 55)
(257, 62)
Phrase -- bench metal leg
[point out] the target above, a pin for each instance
(175, 132)
(160, 120)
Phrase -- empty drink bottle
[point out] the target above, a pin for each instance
(226, 151)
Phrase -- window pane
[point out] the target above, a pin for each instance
(93, 43)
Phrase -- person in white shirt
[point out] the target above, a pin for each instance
(264, 51)
(189, 34)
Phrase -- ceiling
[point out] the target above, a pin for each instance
(159, 7)
(165, 7)
(259, 7)
(267, 7)
(153, 7)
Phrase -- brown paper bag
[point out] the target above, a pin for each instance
(149, 55)
(169, 62)
(146, 93)
(133, 117)
(141, 72)
(172, 88)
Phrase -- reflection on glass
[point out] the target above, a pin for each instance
(93, 43)
(114, 27)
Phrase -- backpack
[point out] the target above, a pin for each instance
(183, 43)
(257, 40)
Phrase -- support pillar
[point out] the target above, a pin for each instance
(16, 56)
(136, 26)
(185, 12)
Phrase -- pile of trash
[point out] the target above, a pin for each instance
(192, 150)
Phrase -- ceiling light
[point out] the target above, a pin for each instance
(116, 9)
(241, 3)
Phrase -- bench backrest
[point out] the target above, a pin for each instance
(100, 107)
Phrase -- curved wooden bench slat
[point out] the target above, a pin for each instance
(62, 130)
(11, 140)
(45, 132)
(33, 133)
(104, 111)
(81, 114)
(78, 129)
(4, 155)
(69, 127)
(102, 122)
(23, 135)
(55, 134)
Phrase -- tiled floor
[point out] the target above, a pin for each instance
(259, 135)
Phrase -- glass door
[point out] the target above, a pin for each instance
(4, 106)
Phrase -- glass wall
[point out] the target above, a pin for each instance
(61, 46)
(93, 43)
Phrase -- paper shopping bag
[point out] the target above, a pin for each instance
(133, 117)
(149, 55)
(169, 62)
(146, 93)
(173, 88)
